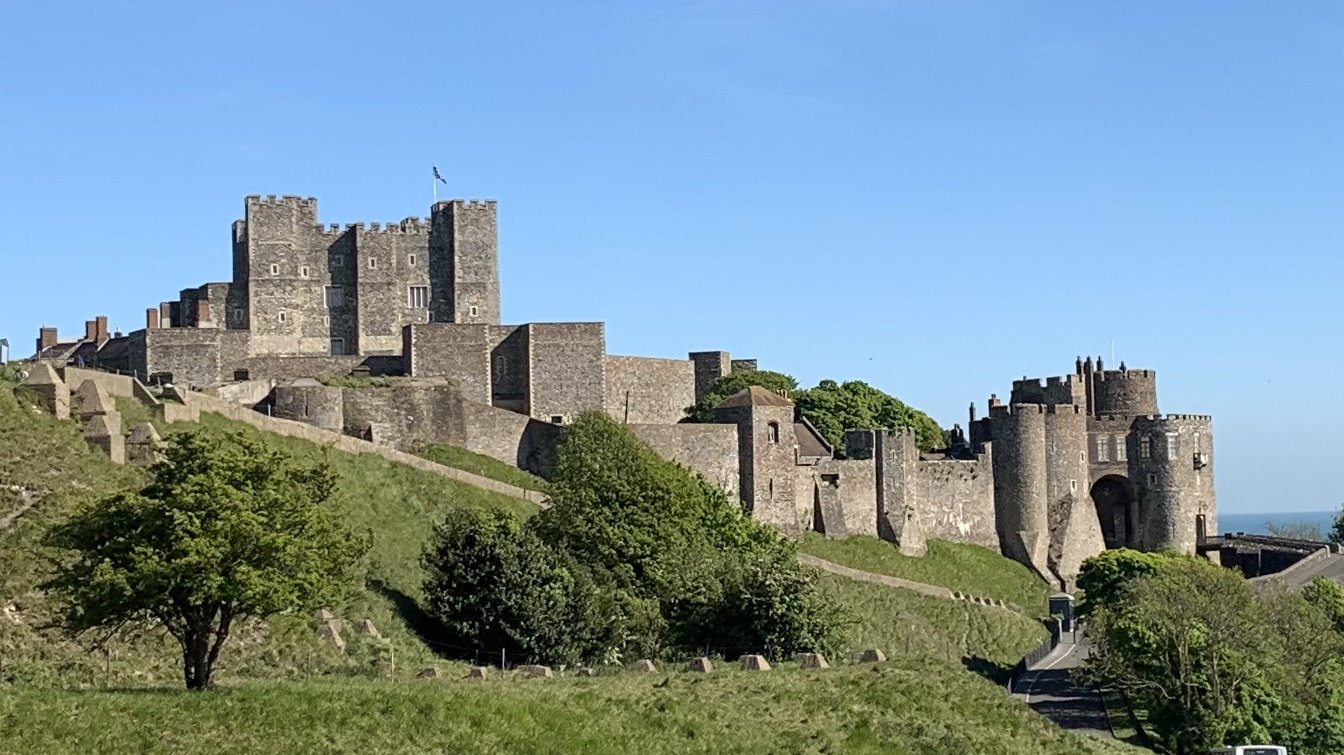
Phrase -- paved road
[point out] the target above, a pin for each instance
(1049, 690)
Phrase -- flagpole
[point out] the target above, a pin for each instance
(435, 181)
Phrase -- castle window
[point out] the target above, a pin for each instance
(1145, 448)
(417, 297)
(338, 260)
(237, 315)
(275, 269)
(373, 263)
(337, 347)
(772, 488)
(557, 419)
(1121, 451)
(472, 310)
(1152, 479)
(1103, 448)
(772, 432)
(283, 317)
(1073, 486)
(410, 260)
(1171, 446)
(303, 271)
(335, 297)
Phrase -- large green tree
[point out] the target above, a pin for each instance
(666, 534)
(1213, 661)
(835, 407)
(226, 529)
(830, 406)
(776, 382)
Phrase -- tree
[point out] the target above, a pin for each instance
(1337, 531)
(1104, 577)
(1295, 530)
(831, 407)
(227, 529)
(492, 584)
(662, 533)
(835, 407)
(1213, 661)
(777, 382)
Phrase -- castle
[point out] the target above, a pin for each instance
(1069, 466)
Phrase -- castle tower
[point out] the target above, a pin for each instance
(766, 455)
(1171, 465)
(1075, 532)
(1123, 392)
(709, 367)
(897, 455)
(464, 263)
(280, 273)
(1021, 479)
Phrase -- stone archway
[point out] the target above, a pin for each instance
(1113, 495)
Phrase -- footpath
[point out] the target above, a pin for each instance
(1049, 688)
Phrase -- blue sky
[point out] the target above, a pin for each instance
(935, 197)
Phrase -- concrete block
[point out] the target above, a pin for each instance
(812, 660)
(644, 666)
(872, 655)
(534, 670)
(755, 663)
(700, 664)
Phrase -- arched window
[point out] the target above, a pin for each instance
(772, 432)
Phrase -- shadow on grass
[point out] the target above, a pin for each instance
(991, 670)
(425, 626)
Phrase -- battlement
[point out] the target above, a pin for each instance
(1114, 417)
(286, 199)
(1170, 417)
(1126, 375)
(1008, 410)
(1063, 409)
(466, 204)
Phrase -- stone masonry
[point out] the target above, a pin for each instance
(1066, 467)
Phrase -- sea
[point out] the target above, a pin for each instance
(1258, 523)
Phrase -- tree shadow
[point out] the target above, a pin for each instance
(991, 670)
(421, 623)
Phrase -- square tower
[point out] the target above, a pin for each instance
(464, 263)
(766, 454)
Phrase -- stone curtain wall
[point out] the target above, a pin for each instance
(198, 357)
(642, 390)
(460, 353)
(956, 501)
(196, 403)
(710, 449)
(840, 495)
(566, 364)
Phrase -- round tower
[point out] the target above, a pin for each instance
(1125, 392)
(312, 403)
(1171, 465)
(1075, 531)
(1021, 510)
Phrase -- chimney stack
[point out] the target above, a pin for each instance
(152, 318)
(100, 329)
(46, 338)
(165, 315)
(90, 330)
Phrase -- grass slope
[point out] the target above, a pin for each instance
(399, 505)
(485, 466)
(903, 706)
(967, 568)
(989, 640)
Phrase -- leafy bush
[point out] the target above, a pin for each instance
(637, 554)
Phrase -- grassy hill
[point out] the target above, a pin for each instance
(966, 568)
(399, 505)
(485, 466)
(286, 690)
(904, 706)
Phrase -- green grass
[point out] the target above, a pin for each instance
(969, 569)
(903, 706)
(398, 505)
(989, 640)
(485, 466)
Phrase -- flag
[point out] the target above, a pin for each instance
(438, 177)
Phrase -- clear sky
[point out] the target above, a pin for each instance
(934, 197)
